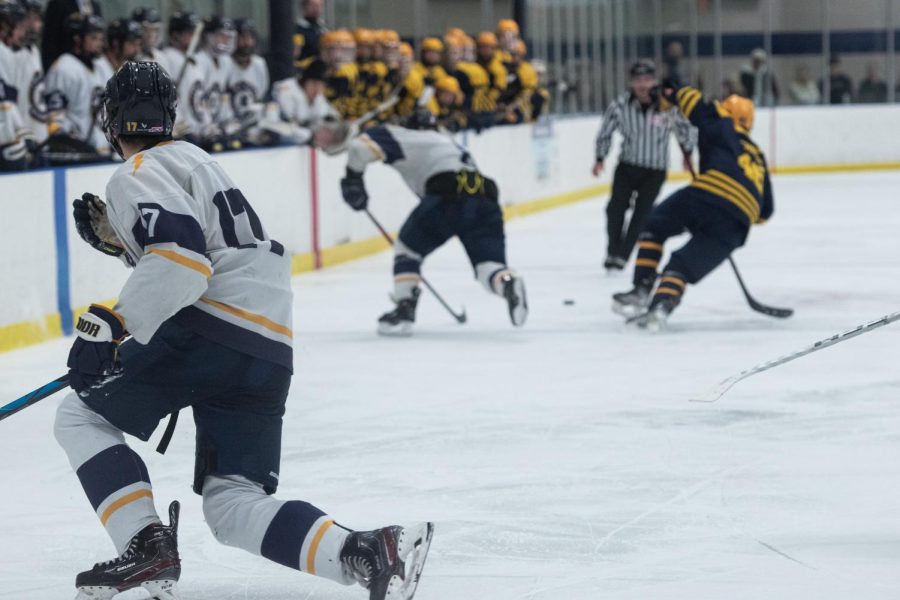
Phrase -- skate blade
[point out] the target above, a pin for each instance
(629, 311)
(166, 589)
(96, 593)
(649, 323)
(401, 330)
(518, 304)
(412, 547)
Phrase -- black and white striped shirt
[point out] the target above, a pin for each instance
(646, 132)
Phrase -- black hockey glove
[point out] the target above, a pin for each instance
(354, 190)
(95, 354)
(93, 226)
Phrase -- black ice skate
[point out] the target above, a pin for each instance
(514, 292)
(657, 315)
(388, 562)
(633, 303)
(399, 322)
(150, 562)
(614, 264)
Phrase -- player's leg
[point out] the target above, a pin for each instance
(425, 230)
(667, 220)
(482, 234)
(619, 203)
(715, 235)
(238, 459)
(646, 193)
(89, 427)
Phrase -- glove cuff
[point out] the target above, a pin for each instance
(351, 174)
(100, 324)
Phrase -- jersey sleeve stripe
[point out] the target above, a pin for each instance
(183, 261)
(388, 144)
(252, 317)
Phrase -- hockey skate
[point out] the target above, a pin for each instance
(399, 322)
(656, 317)
(614, 265)
(151, 562)
(633, 303)
(514, 292)
(388, 562)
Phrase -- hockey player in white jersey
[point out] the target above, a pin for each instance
(302, 102)
(208, 308)
(151, 36)
(181, 30)
(74, 85)
(248, 82)
(206, 118)
(16, 140)
(123, 39)
(456, 200)
(30, 73)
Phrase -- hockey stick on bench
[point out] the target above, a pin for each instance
(719, 391)
(778, 313)
(460, 317)
(7, 410)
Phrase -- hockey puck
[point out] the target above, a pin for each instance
(568, 302)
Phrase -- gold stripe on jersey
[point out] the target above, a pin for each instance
(252, 317)
(723, 186)
(687, 100)
(184, 261)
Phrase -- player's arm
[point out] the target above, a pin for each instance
(699, 111)
(173, 271)
(611, 119)
(685, 133)
(56, 90)
(768, 199)
(376, 144)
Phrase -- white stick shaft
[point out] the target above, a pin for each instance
(191, 51)
(719, 391)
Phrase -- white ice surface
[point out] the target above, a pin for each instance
(561, 461)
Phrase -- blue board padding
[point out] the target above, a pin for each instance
(63, 290)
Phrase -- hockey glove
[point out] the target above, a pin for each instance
(354, 190)
(93, 226)
(95, 354)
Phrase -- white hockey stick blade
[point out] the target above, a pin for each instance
(720, 390)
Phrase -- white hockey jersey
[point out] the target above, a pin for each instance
(203, 95)
(30, 83)
(104, 68)
(416, 155)
(295, 105)
(73, 94)
(201, 253)
(248, 87)
(158, 56)
(12, 125)
(174, 59)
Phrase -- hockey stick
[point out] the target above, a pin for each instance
(771, 311)
(778, 313)
(189, 55)
(460, 317)
(34, 397)
(719, 391)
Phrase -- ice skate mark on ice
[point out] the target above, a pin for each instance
(682, 495)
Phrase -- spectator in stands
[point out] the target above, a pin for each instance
(429, 64)
(672, 59)
(758, 80)
(473, 80)
(508, 38)
(55, 37)
(342, 75)
(803, 89)
(413, 93)
(310, 27)
(840, 84)
(123, 43)
(181, 31)
(873, 88)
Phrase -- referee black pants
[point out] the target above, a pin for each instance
(633, 187)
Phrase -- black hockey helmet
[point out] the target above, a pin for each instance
(32, 6)
(11, 13)
(121, 30)
(243, 26)
(144, 15)
(183, 21)
(217, 23)
(79, 24)
(139, 101)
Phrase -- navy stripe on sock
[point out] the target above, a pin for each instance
(109, 471)
(284, 537)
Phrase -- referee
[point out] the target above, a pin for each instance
(644, 158)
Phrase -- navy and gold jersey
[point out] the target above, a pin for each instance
(732, 167)
(341, 90)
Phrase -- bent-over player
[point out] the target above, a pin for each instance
(208, 308)
(456, 200)
(731, 193)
